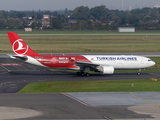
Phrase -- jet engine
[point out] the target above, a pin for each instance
(106, 69)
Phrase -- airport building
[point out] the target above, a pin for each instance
(126, 29)
(46, 21)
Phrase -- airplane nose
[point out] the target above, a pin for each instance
(153, 63)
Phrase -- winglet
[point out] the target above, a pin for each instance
(19, 47)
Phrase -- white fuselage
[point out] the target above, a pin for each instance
(121, 61)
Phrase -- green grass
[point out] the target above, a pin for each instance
(157, 61)
(59, 32)
(93, 86)
(135, 71)
(76, 32)
(87, 44)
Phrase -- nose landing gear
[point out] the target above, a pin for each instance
(139, 72)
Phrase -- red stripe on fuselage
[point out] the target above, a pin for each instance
(60, 61)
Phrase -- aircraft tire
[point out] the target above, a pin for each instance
(138, 73)
(87, 74)
(78, 73)
(82, 74)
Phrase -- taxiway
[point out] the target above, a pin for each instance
(14, 75)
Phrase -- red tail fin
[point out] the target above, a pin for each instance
(19, 47)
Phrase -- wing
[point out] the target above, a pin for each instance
(86, 64)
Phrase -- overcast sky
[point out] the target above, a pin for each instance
(71, 4)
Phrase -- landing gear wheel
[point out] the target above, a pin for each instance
(87, 74)
(78, 73)
(82, 74)
(138, 73)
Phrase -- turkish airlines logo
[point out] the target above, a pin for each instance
(20, 47)
(54, 60)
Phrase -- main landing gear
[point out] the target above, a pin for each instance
(82, 73)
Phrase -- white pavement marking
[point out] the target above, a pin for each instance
(149, 109)
(75, 99)
(17, 113)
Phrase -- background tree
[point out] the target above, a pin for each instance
(99, 12)
(81, 13)
(82, 18)
(14, 23)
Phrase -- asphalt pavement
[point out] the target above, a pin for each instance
(14, 75)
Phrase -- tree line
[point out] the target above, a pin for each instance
(83, 18)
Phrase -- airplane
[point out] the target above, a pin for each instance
(106, 64)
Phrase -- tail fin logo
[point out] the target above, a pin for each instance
(20, 47)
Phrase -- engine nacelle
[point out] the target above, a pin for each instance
(106, 69)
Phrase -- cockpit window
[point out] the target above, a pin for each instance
(149, 60)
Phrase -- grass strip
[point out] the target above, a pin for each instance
(76, 32)
(87, 44)
(93, 86)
